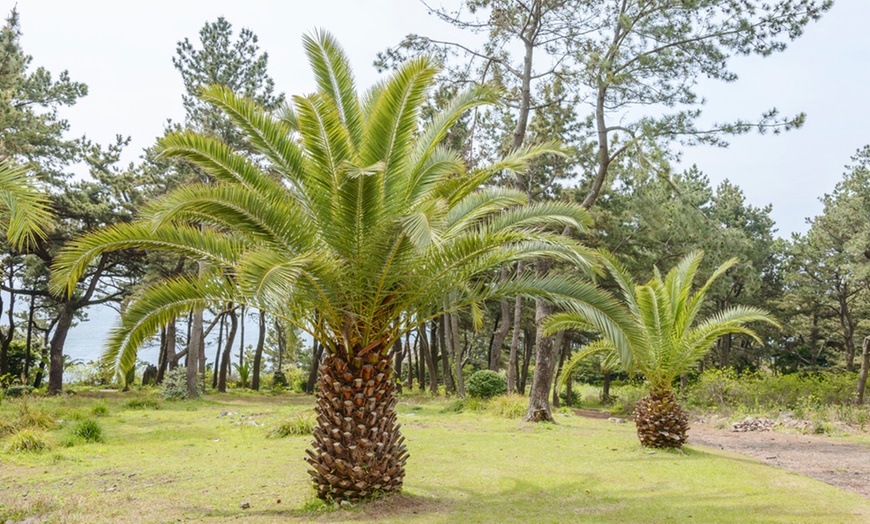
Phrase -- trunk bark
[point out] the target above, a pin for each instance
(217, 352)
(539, 404)
(29, 342)
(515, 339)
(398, 356)
(195, 342)
(55, 349)
(258, 353)
(528, 346)
(500, 335)
(865, 367)
(316, 356)
(242, 336)
(725, 351)
(457, 351)
(561, 345)
(426, 348)
(605, 388)
(358, 450)
(228, 348)
(445, 354)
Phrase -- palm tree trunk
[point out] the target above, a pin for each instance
(358, 449)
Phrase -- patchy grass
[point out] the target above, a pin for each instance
(186, 462)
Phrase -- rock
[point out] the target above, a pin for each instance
(753, 424)
(223, 414)
(245, 505)
(617, 420)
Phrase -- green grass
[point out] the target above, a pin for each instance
(185, 462)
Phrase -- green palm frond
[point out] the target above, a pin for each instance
(204, 245)
(661, 338)
(603, 348)
(155, 307)
(25, 210)
(350, 207)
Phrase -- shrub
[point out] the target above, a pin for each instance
(26, 418)
(296, 425)
(509, 406)
(279, 381)
(486, 384)
(29, 441)
(100, 410)
(454, 406)
(175, 385)
(88, 431)
(17, 391)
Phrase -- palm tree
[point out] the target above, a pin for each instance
(353, 223)
(24, 211)
(664, 341)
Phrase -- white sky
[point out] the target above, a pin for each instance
(123, 51)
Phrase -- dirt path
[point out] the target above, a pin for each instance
(846, 466)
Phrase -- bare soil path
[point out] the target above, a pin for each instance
(841, 464)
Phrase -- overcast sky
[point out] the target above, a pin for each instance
(123, 51)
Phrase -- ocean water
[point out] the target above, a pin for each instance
(86, 340)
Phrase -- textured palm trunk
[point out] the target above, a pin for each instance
(358, 450)
(660, 421)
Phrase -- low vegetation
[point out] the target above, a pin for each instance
(468, 466)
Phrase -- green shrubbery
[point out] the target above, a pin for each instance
(486, 384)
(29, 441)
(296, 425)
(175, 385)
(88, 431)
(763, 392)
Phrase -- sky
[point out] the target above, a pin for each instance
(123, 52)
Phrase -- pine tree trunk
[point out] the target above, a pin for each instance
(228, 348)
(398, 357)
(29, 341)
(528, 346)
(539, 404)
(55, 349)
(513, 364)
(195, 341)
(358, 450)
(217, 352)
(457, 351)
(317, 354)
(426, 348)
(445, 354)
(865, 367)
(258, 353)
(501, 334)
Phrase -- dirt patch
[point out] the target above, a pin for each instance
(592, 413)
(846, 466)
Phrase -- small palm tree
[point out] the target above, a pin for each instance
(25, 211)
(664, 340)
(353, 223)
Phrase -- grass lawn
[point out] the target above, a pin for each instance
(182, 461)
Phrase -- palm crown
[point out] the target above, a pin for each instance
(25, 211)
(350, 209)
(665, 339)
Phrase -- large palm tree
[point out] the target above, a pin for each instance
(354, 223)
(24, 210)
(666, 339)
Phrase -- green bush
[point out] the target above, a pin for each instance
(761, 391)
(279, 381)
(100, 410)
(88, 431)
(29, 441)
(296, 425)
(17, 391)
(175, 385)
(486, 384)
